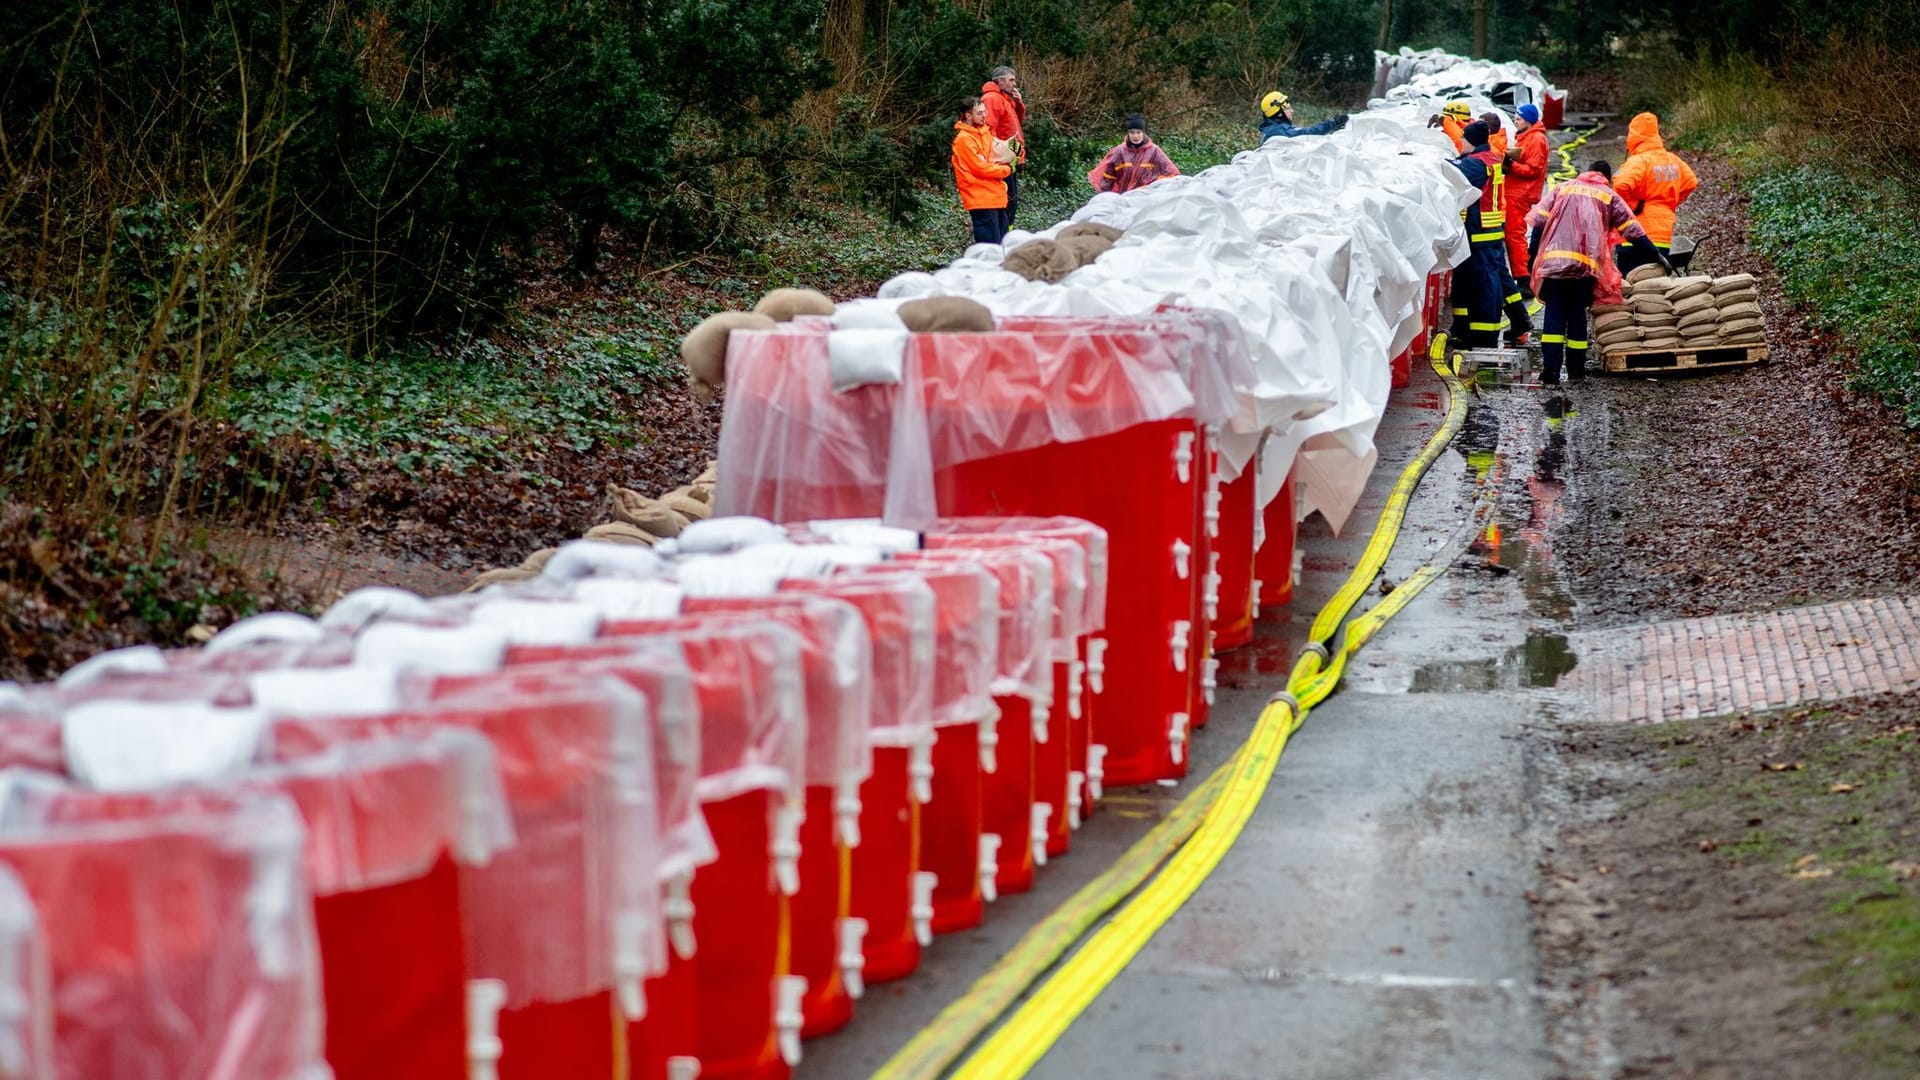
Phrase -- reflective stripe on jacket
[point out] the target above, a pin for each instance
(1128, 166)
(1576, 221)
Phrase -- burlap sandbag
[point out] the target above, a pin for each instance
(1041, 260)
(1087, 248)
(781, 305)
(1642, 273)
(637, 510)
(1652, 286)
(711, 476)
(505, 576)
(1708, 316)
(704, 349)
(1611, 318)
(1697, 302)
(1743, 340)
(1655, 321)
(1683, 288)
(946, 315)
(1089, 228)
(700, 489)
(1733, 283)
(1737, 299)
(683, 503)
(1741, 311)
(537, 561)
(619, 532)
(1627, 336)
(1650, 304)
(1743, 326)
(1607, 309)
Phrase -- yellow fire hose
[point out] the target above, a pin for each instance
(1190, 842)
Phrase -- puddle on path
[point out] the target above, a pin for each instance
(1538, 662)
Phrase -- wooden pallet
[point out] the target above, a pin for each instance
(1691, 358)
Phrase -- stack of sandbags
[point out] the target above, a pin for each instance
(637, 519)
(1680, 314)
(1050, 260)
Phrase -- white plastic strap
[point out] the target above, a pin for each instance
(484, 1000)
(1180, 640)
(846, 813)
(681, 1067)
(677, 908)
(990, 741)
(1039, 709)
(1097, 664)
(630, 964)
(920, 767)
(1183, 456)
(1210, 677)
(786, 847)
(1042, 816)
(787, 1016)
(1096, 770)
(1075, 779)
(990, 866)
(1211, 512)
(853, 957)
(1177, 737)
(1076, 674)
(924, 883)
(1182, 559)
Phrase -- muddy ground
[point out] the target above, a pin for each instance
(1734, 896)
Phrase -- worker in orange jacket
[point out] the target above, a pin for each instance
(979, 174)
(1007, 116)
(1654, 182)
(1526, 180)
(1453, 120)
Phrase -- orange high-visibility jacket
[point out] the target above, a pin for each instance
(1654, 181)
(1527, 175)
(982, 181)
(1496, 141)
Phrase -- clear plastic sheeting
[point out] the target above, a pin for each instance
(1023, 655)
(1092, 539)
(1068, 595)
(966, 635)
(792, 448)
(178, 928)
(26, 985)
(572, 909)
(899, 612)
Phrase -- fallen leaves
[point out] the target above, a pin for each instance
(1839, 789)
(1805, 868)
(1783, 766)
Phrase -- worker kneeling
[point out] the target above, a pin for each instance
(1573, 263)
(1480, 285)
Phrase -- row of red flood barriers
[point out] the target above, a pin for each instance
(611, 825)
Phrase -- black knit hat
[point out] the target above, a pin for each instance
(1475, 133)
(1136, 122)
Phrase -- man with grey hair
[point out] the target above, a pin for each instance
(1006, 113)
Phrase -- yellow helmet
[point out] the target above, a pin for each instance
(1274, 102)
(1458, 110)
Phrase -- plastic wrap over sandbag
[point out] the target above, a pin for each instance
(966, 599)
(594, 558)
(1023, 658)
(1091, 538)
(899, 612)
(572, 909)
(656, 667)
(721, 534)
(627, 598)
(364, 605)
(178, 928)
(1069, 592)
(116, 746)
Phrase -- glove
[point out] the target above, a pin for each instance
(1340, 122)
(1433, 121)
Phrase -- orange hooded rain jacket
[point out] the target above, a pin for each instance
(1654, 180)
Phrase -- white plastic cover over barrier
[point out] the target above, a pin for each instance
(179, 930)
(1319, 247)
(1436, 73)
(1092, 617)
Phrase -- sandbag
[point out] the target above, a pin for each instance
(1700, 301)
(711, 476)
(1598, 310)
(1743, 326)
(1655, 321)
(1743, 340)
(1642, 273)
(1683, 288)
(1732, 283)
(1089, 228)
(1652, 304)
(1041, 260)
(1707, 316)
(946, 314)
(704, 349)
(641, 512)
(619, 532)
(683, 503)
(1618, 337)
(537, 561)
(1611, 319)
(1087, 248)
(1737, 299)
(701, 490)
(504, 576)
(1655, 286)
(781, 305)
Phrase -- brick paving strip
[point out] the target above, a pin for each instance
(1737, 663)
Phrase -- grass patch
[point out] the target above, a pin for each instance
(1875, 976)
(1846, 246)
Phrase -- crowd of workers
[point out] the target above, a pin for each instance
(1534, 252)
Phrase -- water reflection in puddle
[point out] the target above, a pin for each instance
(1539, 661)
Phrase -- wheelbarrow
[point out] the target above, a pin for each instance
(1681, 253)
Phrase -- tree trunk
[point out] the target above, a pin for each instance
(1479, 29)
(845, 35)
(1386, 25)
